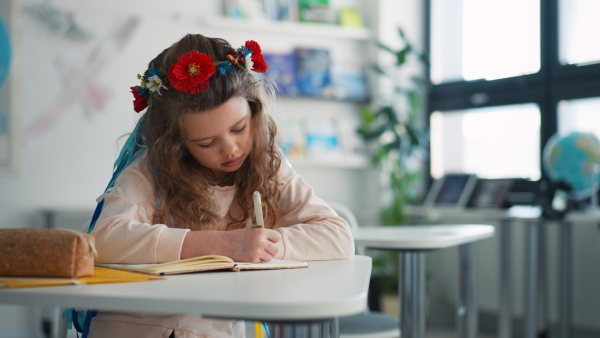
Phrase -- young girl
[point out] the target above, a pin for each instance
(184, 182)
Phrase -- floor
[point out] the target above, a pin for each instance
(431, 332)
(437, 332)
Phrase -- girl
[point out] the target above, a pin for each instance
(184, 182)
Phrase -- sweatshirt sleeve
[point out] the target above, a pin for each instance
(124, 232)
(311, 230)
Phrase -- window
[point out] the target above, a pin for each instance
(505, 76)
(581, 115)
(579, 27)
(472, 40)
(486, 142)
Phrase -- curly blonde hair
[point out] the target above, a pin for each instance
(184, 187)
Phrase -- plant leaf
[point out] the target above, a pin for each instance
(385, 47)
(379, 70)
(390, 113)
(414, 98)
(369, 135)
(401, 33)
(367, 116)
(401, 56)
(414, 138)
(380, 155)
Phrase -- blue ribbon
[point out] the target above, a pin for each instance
(133, 148)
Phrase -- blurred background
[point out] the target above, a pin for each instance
(477, 87)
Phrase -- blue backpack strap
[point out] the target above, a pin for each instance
(87, 322)
(133, 148)
(78, 318)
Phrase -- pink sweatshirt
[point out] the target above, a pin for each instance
(310, 229)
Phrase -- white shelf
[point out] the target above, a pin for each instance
(353, 162)
(289, 28)
(297, 31)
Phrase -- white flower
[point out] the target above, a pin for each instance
(248, 62)
(154, 84)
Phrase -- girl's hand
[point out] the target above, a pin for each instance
(243, 245)
(252, 245)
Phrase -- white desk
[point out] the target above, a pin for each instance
(412, 242)
(324, 291)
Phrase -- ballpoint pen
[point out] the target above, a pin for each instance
(258, 216)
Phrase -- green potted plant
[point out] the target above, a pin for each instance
(393, 128)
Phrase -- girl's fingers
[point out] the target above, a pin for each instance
(273, 235)
(271, 248)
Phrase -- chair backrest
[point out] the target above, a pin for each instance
(347, 214)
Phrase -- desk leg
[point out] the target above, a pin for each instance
(324, 329)
(411, 289)
(466, 306)
(505, 301)
(542, 283)
(531, 279)
(564, 279)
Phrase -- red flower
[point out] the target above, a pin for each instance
(192, 72)
(259, 63)
(140, 101)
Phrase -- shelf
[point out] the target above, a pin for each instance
(320, 98)
(353, 162)
(290, 28)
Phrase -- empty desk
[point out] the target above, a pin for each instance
(411, 243)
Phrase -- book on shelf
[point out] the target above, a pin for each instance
(287, 10)
(322, 138)
(246, 9)
(313, 74)
(269, 10)
(350, 17)
(282, 70)
(349, 81)
(205, 263)
(318, 11)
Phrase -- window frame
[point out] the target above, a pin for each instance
(551, 84)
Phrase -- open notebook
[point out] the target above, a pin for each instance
(205, 263)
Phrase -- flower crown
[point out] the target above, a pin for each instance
(192, 72)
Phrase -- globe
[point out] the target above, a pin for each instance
(574, 159)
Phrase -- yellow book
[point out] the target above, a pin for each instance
(205, 263)
(101, 275)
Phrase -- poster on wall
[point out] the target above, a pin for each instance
(8, 104)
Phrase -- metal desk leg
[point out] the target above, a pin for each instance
(542, 283)
(466, 306)
(324, 329)
(411, 289)
(63, 329)
(565, 271)
(531, 279)
(505, 301)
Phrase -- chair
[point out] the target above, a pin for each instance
(369, 324)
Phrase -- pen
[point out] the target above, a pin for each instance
(259, 223)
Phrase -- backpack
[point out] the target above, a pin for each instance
(132, 149)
